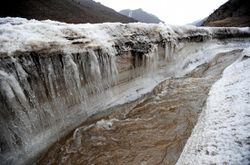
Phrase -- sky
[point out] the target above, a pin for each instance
(177, 12)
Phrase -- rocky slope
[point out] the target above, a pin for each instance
(56, 76)
(141, 16)
(70, 11)
(232, 13)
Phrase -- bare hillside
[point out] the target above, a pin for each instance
(70, 11)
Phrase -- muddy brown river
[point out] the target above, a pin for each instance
(151, 132)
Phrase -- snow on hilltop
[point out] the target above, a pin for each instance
(222, 134)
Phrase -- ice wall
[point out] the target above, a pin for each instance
(55, 75)
(221, 135)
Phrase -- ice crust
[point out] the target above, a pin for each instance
(37, 57)
(222, 135)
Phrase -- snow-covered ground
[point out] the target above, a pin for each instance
(222, 134)
(19, 37)
(35, 35)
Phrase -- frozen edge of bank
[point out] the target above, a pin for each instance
(53, 36)
(222, 135)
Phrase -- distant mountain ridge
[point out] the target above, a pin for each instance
(232, 13)
(70, 11)
(141, 15)
(198, 22)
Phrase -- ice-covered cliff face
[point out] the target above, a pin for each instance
(53, 75)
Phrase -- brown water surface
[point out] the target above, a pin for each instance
(150, 133)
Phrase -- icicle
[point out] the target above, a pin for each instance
(114, 70)
(20, 126)
(71, 76)
(51, 72)
(14, 89)
(169, 51)
(150, 60)
(166, 51)
(94, 67)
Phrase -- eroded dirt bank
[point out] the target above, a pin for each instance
(152, 132)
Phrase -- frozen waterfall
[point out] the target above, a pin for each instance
(53, 76)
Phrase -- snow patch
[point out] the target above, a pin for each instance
(222, 134)
(106, 124)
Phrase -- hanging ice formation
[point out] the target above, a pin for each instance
(54, 75)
